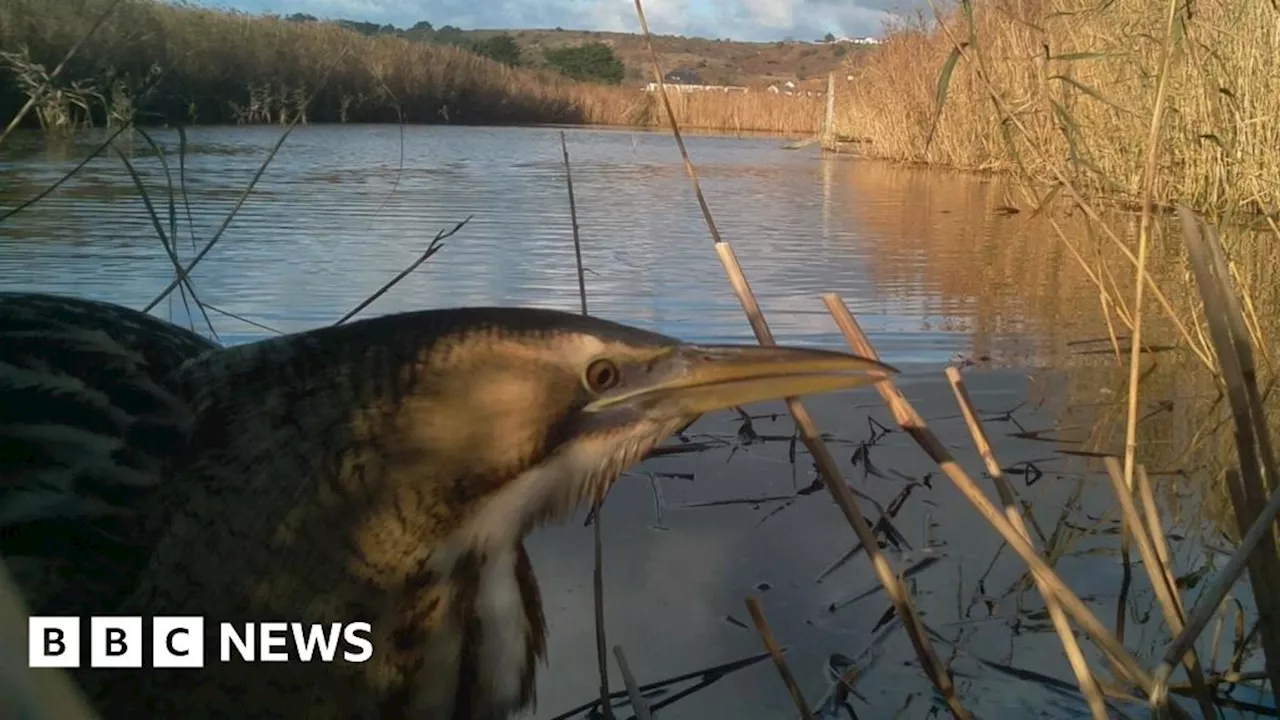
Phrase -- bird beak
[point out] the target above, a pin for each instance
(690, 380)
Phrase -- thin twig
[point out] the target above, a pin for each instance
(830, 473)
(771, 644)
(243, 319)
(436, 243)
(167, 239)
(573, 217)
(253, 182)
(597, 588)
(597, 539)
(638, 703)
(704, 677)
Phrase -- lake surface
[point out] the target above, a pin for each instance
(934, 270)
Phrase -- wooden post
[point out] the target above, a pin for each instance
(829, 121)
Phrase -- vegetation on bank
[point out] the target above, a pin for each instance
(589, 62)
(153, 62)
(718, 61)
(1076, 86)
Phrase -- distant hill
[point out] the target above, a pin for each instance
(713, 62)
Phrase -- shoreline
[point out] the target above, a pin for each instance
(1112, 203)
(649, 129)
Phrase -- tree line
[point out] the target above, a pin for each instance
(589, 62)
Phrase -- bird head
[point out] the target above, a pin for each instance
(492, 420)
(555, 406)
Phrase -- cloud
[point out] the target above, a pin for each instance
(760, 20)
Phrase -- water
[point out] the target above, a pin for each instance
(339, 212)
(931, 269)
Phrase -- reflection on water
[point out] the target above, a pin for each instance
(925, 261)
(336, 215)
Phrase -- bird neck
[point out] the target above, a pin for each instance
(479, 634)
(365, 493)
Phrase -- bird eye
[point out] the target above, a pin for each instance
(601, 375)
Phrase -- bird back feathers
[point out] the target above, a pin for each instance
(86, 419)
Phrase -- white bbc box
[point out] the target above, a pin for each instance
(177, 642)
(53, 641)
(115, 642)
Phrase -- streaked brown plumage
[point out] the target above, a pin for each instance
(386, 470)
(86, 423)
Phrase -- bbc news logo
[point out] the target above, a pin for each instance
(178, 642)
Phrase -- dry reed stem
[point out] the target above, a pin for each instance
(1144, 238)
(638, 703)
(1212, 274)
(597, 591)
(1218, 590)
(1077, 196)
(1126, 580)
(31, 694)
(911, 422)
(1079, 665)
(828, 469)
(1105, 301)
(1159, 576)
(845, 499)
(1155, 529)
(1215, 641)
(771, 644)
(1250, 487)
(597, 540)
(679, 138)
(573, 218)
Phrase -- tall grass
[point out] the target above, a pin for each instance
(160, 62)
(1081, 77)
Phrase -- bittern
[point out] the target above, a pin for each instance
(386, 471)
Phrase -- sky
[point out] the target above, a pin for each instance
(757, 20)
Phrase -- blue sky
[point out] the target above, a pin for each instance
(734, 19)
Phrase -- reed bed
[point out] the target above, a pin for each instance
(1081, 79)
(154, 62)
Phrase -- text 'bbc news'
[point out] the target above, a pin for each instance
(179, 642)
